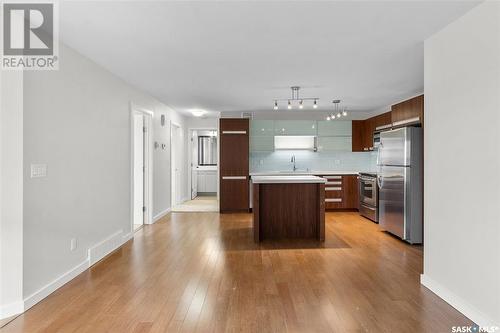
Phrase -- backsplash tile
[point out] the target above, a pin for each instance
(316, 161)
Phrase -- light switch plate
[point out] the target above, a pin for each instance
(38, 170)
(73, 244)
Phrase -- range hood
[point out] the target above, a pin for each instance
(295, 142)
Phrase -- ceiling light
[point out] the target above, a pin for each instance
(328, 118)
(337, 113)
(198, 112)
(296, 97)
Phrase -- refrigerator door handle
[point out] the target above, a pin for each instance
(379, 181)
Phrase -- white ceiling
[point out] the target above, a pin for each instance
(239, 56)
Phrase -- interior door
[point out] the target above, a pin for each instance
(392, 186)
(176, 160)
(194, 165)
(139, 169)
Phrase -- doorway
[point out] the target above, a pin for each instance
(202, 172)
(176, 151)
(141, 171)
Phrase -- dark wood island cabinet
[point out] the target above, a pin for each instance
(288, 207)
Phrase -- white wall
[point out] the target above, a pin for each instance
(201, 123)
(462, 164)
(77, 121)
(11, 193)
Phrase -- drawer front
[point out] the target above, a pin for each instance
(333, 177)
(333, 203)
(333, 192)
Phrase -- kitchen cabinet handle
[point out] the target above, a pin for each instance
(406, 121)
(383, 127)
(333, 177)
(333, 183)
(333, 200)
(333, 188)
(233, 177)
(234, 132)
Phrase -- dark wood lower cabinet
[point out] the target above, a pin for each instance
(287, 211)
(234, 194)
(341, 192)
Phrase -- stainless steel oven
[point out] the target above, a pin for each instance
(368, 196)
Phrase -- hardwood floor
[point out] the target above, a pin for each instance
(202, 272)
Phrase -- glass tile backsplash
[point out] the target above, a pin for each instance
(315, 161)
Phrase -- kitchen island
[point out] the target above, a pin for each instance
(286, 207)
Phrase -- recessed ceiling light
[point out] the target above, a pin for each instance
(198, 112)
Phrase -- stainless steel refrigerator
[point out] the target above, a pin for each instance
(400, 182)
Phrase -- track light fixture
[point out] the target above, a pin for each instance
(336, 111)
(296, 99)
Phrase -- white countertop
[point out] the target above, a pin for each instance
(302, 173)
(298, 179)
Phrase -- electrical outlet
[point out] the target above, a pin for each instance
(73, 244)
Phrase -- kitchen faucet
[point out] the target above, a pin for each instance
(293, 161)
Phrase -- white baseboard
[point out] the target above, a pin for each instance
(11, 309)
(94, 254)
(457, 302)
(127, 237)
(105, 247)
(161, 214)
(54, 285)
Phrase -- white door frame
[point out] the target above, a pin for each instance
(190, 157)
(148, 163)
(172, 182)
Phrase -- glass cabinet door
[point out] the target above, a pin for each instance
(335, 128)
(295, 127)
(261, 127)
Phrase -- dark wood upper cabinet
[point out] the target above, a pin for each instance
(362, 131)
(383, 119)
(234, 164)
(408, 110)
(358, 134)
